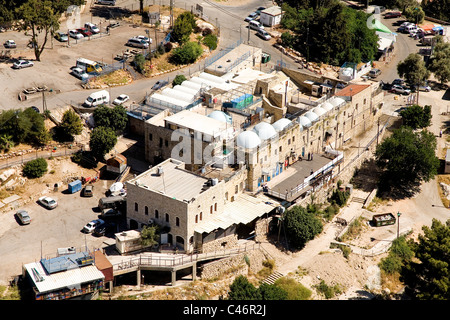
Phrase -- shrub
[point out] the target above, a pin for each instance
(139, 62)
(178, 80)
(35, 168)
(294, 289)
(210, 41)
(187, 53)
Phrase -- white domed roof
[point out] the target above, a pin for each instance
(304, 121)
(336, 101)
(264, 130)
(281, 124)
(319, 111)
(311, 116)
(248, 140)
(220, 115)
(327, 106)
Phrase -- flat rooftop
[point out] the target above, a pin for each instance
(232, 58)
(175, 181)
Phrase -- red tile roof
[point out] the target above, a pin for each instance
(352, 89)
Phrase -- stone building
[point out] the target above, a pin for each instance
(196, 212)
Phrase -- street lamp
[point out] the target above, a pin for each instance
(398, 223)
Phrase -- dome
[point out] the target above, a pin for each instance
(304, 121)
(319, 111)
(337, 101)
(327, 106)
(281, 124)
(311, 116)
(220, 115)
(248, 140)
(264, 130)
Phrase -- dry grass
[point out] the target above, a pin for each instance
(118, 77)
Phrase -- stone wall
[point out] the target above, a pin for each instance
(234, 265)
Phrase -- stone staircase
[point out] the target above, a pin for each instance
(273, 277)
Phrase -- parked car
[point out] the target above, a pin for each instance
(88, 191)
(22, 64)
(251, 16)
(75, 34)
(80, 73)
(258, 11)
(36, 109)
(113, 25)
(263, 34)
(121, 99)
(374, 73)
(104, 229)
(160, 84)
(90, 226)
(392, 14)
(110, 213)
(23, 217)
(61, 37)
(398, 81)
(146, 39)
(48, 202)
(137, 43)
(424, 87)
(10, 44)
(85, 32)
(400, 89)
(92, 27)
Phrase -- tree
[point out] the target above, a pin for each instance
(440, 60)
(183, 27)
(179, 78)
(407, 158)
(139, 62)
(427, 277)
(301, 226)
(187, 53)
(414, 14)
(242, 289)
(115, 118)
(210, 41)
(6, 142)
(102, 141)
(149, 236)
(413, 69)
(71, 125)
(416, 117)
(24, 126)
(272, 292)
(35, 168)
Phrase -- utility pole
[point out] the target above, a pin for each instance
(398, 223)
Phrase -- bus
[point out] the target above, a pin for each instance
(88, 65)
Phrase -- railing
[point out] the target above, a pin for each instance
(157, 260)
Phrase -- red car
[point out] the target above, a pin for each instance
(85, 32)
(393, 14)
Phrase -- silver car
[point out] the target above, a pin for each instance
(23, 216)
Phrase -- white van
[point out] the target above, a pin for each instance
(263, 34)
(255, 25)
(409, 28)
(97, 98)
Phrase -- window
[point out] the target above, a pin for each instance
(166, 142)
(156, 214)
(160, 142)
(365, 100)
(211, 209)
(150, 136)
(215, 206)
(196, 218)
(226, 195)
(201, 216)
(236, 190)
(289, 141)
(293, 138)
(167, 217)
(136, 206)
(177, 221)
(146, 210)
(280, 148)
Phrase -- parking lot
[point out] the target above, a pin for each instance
(54, 68)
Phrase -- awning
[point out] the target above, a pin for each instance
(243, 210)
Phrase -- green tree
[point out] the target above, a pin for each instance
(399, 254)
(35, 168)
(242, 289)
(102, 140)
(407, 158)
(416, 117)
(139, 62)
(415, 14)
(272, 292)
(301, 226)
(70, 126)
(6, 142)
(210, 41)
(440, 60)
(149, 236)
(115, 118)
(427, 277)
(413, 69)
(182, 27)
(179, 78)
(187, 53)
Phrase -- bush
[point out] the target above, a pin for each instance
(183, 26)
(178, 80)
(187, 53)
(139, 62)
(294, 289)
(301, 226)
(35, 168)
(210, 41)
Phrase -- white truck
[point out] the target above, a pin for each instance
(97, 98)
